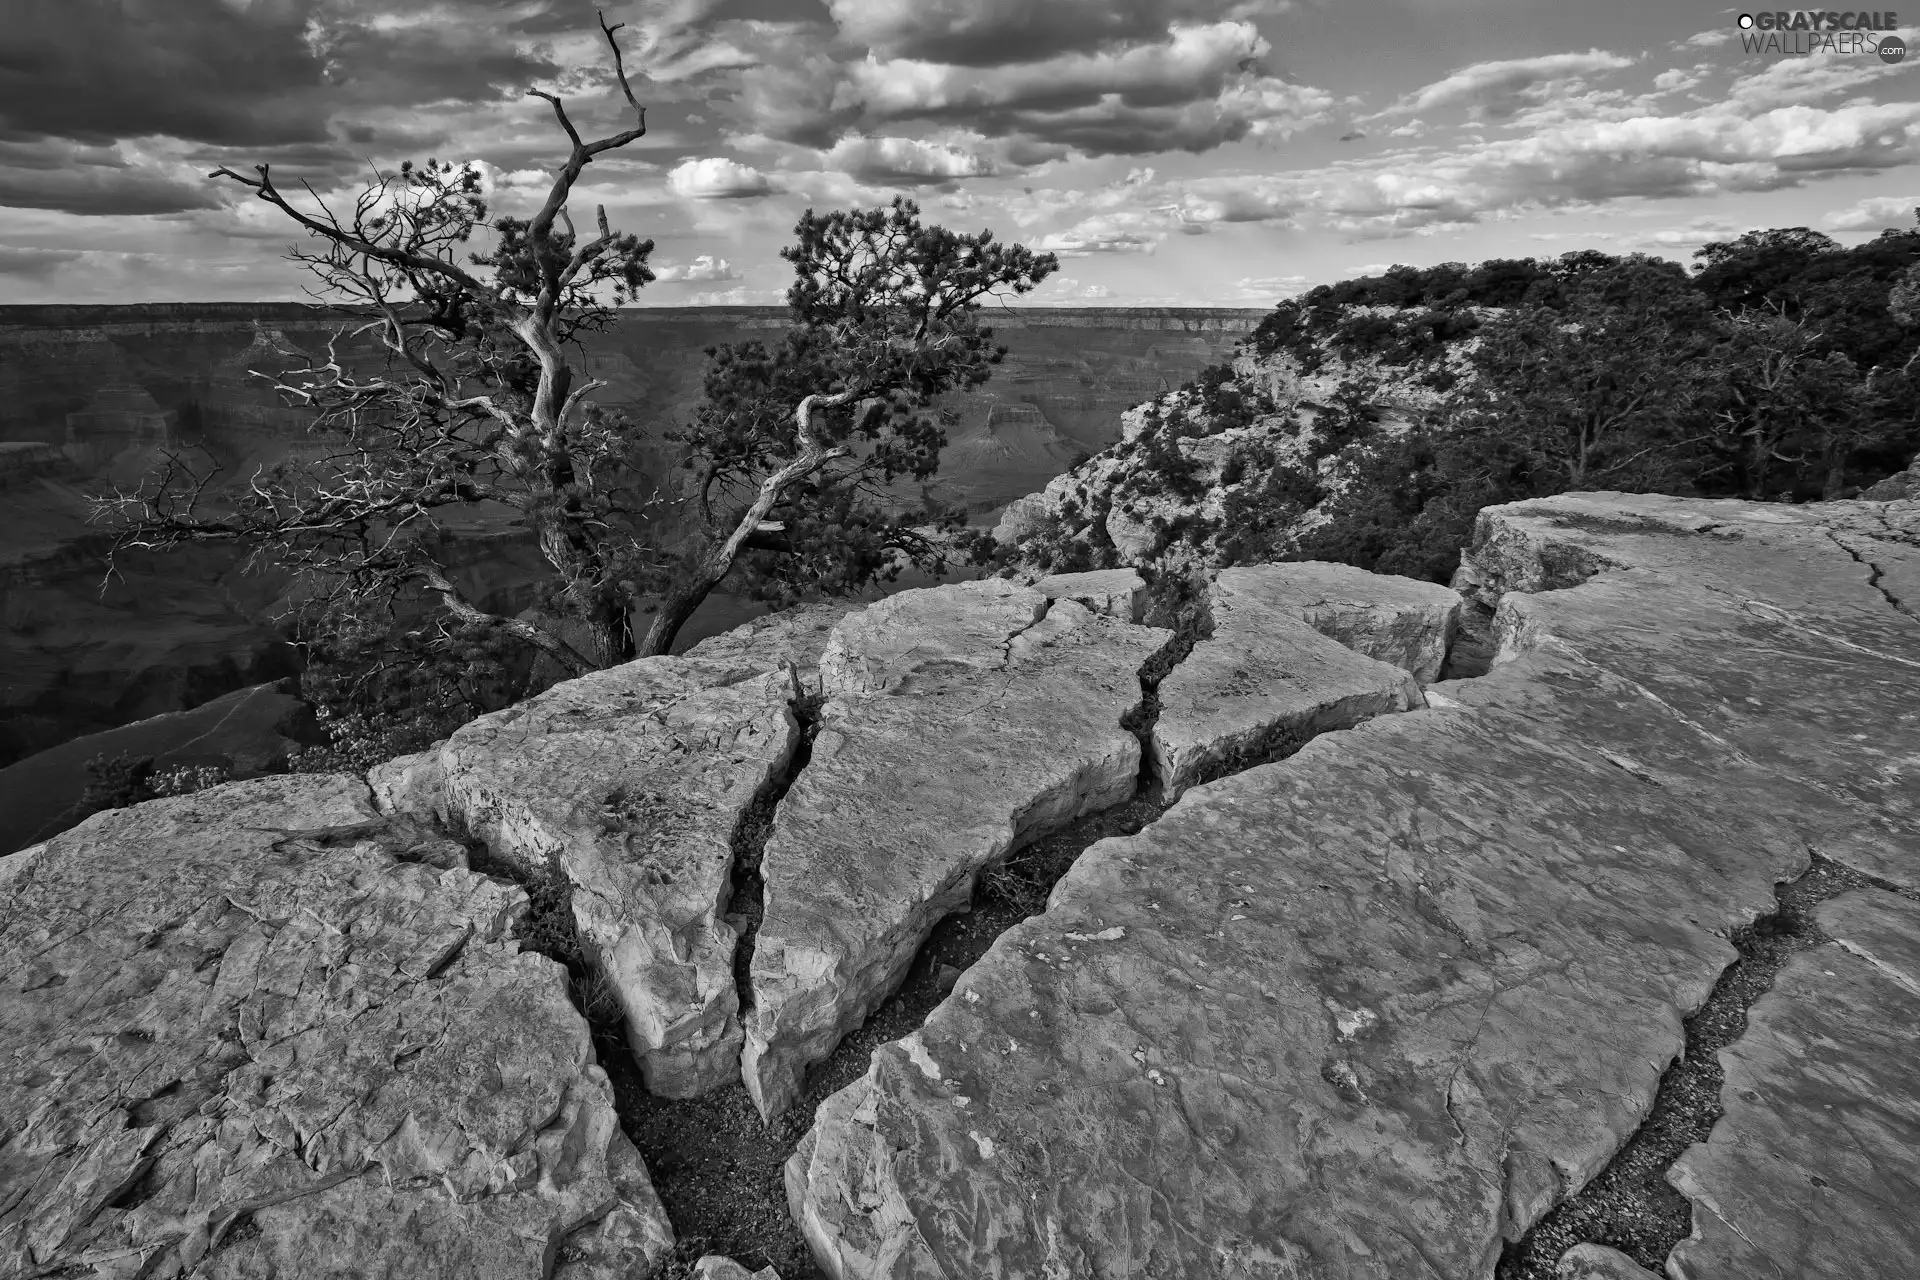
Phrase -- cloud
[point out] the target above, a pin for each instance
(904, 161)
(1712, 38)
(1104, 233)
(1197, 87)
(34, 264)
(990, 33)
(717, 178)
(102, 191)
(702, 270)
(1873, 214)
(1499, 90)
(1793, 81)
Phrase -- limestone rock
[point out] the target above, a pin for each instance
(1813, 1170)
(719, 1267)
(630, 781)
(1119, 593)
(1372, 1010)
(1402, 621)
(1598, 1262)
(1264, 677)
(796, 635)
(240, 1038)
(963, 722)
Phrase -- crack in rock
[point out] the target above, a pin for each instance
(1629, 1205)
(1874, 575)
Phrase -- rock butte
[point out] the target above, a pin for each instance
(1369, 1010)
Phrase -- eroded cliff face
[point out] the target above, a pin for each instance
(1385, 980)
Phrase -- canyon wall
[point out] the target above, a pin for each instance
(92, 396)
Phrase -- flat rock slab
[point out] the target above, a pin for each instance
(1372, 1010)
(239, 1037)
(792, 636)
(632, 782)
(963, 722)
(1119, 593)
(1264, 679)
(1402, 621)
(1813, 671)
(1813, 1172)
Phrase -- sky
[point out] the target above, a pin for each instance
(1170, 152)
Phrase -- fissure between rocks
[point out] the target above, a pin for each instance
(746, 900)
(1629, 1205)
(718, 1168)
(1874, 574)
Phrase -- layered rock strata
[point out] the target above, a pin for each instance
(959, 723)
(1372, 1010)
(255, 1031)
(631, 784)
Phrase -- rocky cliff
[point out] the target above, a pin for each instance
(1615, 944)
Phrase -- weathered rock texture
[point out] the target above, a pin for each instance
(240, 1037)
(1598, 1262)
(1402, 621)
(1814, 1170)
(1372, 1010)
(1267, 678)
(1121, 593)
(960, 722)
(797, 636)
(631, 782)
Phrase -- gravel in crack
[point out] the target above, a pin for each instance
(720, 1170)
(1629, 1205)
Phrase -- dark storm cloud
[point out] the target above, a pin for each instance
(34, 264)
(258, 73)
(991, 33)
(101, 190)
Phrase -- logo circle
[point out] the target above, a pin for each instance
(1892, 48)
(1746, 22)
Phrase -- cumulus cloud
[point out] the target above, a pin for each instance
(1499, 90)
(717, 178)
(1104, 233)
(1194, 88)
(904, 161)
(1874, 214)
(1711, 38)
(982, 33)
(1793, 81)
(703, 269)
(34, 264)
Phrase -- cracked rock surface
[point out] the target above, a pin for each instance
(961, 722)
(1267, 676)
(1814, 1170)
(1404, 622)
(631, 781)
(242, 1038)
(1370, 1011)
(770, 642)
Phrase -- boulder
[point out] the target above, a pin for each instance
(1598, 1262)
(1372, 1010)
(242, 1037)
(1402, 621)
(962, 722)
(630, 782)
(1263, 680)
(1118, 593)
(1813, 1170)
(792, 636)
